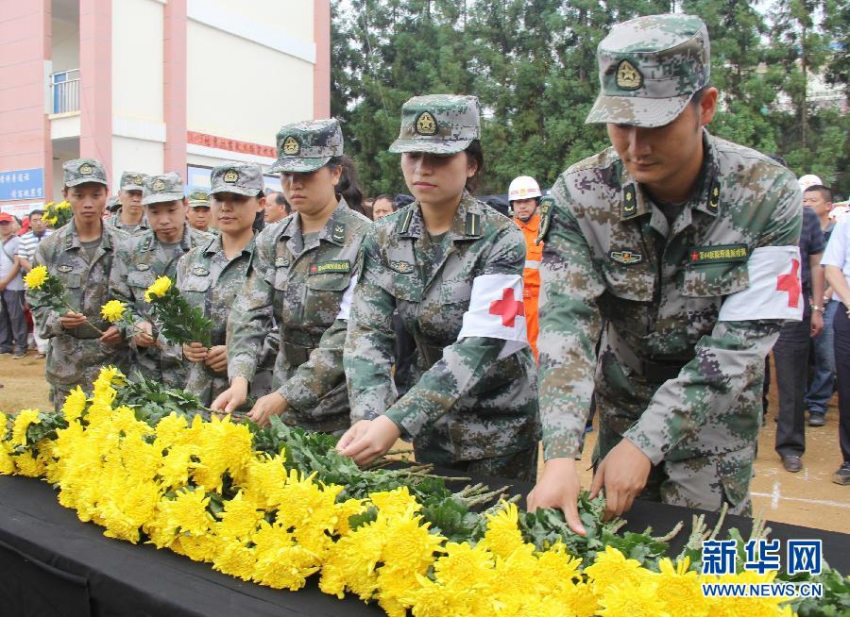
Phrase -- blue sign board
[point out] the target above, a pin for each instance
(22, 184)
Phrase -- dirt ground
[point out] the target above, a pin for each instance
(808, 498)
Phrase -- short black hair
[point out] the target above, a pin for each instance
(386, 197)
(37, 211)
(696, 99)
(824, 191)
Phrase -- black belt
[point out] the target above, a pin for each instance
(660, 371)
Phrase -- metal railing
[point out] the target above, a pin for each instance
(65, 92)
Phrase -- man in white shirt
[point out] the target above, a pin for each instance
(13, 321)
(836, 261)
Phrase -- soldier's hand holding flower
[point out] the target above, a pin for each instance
(144, 334)
(266, 406)
(195, 352)
(71, 320)
(559, 487)
(216, 358)
(623, 473)
(366, 440)
(230, 400)
(112, 336)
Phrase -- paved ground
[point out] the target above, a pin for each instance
(808, 498)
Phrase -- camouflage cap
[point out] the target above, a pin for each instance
(649, 69)
(239, 178)
(80, 171)
(199, 198)
(133, 181)
(438, 123)
(307, 146)
(162, 188)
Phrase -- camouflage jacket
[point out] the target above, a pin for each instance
(465, 403)
(211, 282)
(115, 221)
(670, 376)
(139, 261)
(76, 355)
(301, 288)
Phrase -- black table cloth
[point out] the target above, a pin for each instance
(51, 564)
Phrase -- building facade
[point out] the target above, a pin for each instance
(152, 85)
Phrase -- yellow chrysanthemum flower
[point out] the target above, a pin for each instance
(113, 310)
(23, 420)
(36, 277)
(64, 205)
(503, 536)
(611, 567)
(158, 289)
(74, 404)
(633, 600)
(680, 590)
(7, 463)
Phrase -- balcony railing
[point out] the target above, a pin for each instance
(65, 92)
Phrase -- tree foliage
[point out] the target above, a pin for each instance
(532, 64)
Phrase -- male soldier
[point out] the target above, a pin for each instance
(277, 208)
(686, 246)
(131, 215)
(144, 257)
(524, 196)
(80, 254)
(198, 213)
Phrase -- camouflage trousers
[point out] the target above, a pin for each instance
(705, 482)
(520, 465)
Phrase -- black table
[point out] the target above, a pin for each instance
(51, 564)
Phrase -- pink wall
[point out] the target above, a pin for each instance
(96, 82)
(174, 86)
(24, 47)
(322, 68)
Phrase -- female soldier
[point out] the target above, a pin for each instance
(211, 276)
(452, 267)
(305, 264)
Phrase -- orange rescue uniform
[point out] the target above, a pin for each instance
(531, 276)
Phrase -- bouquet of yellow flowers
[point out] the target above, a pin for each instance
(57, 215)
(177, 320)
(50, 290)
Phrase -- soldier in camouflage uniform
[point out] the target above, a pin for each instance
(130, 216)
(140, 260)
(668, 238)
(210, 277)
(199, 214)
(80, 255)
(305, 266)
(452, 267)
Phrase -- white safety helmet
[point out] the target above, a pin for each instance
(808, 180)
(523, 187)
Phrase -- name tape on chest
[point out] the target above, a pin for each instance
(721, 253)
(337, 266)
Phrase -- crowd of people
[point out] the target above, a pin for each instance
(649, 284)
